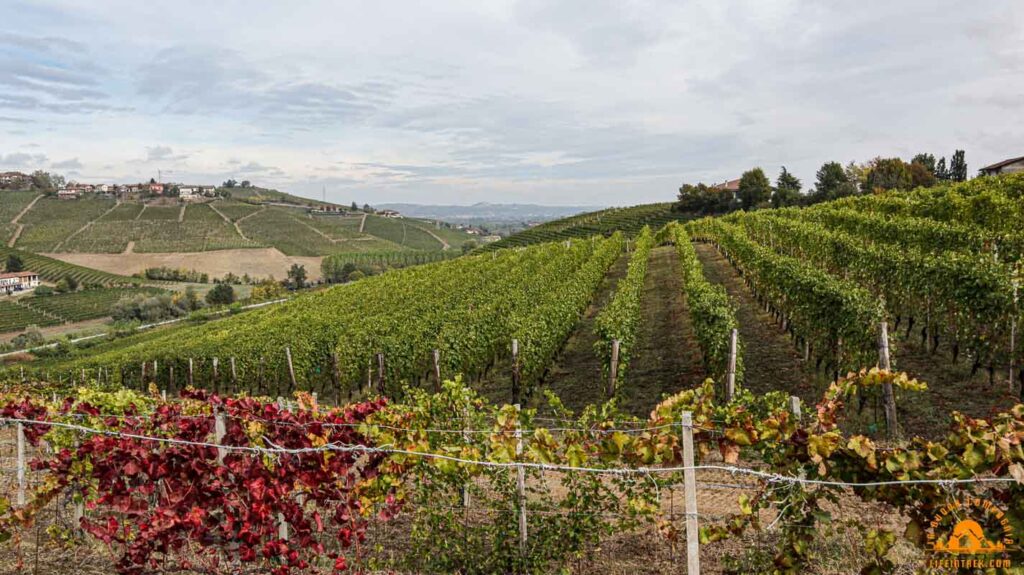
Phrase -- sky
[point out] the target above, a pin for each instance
(580, 102)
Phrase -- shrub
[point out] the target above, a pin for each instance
(221, 294)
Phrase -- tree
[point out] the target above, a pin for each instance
(830, 180)
(297, 276)
(230, 183)
(787, 190)
(958, 167)
(42, 181)
(941, 172)
(887, 174)
(468, 246)
(926, 160)
(920, 175)
(267, 289)
(755, 189)
(355, 208)
(14, 264)
(246, 184)
(221, 294)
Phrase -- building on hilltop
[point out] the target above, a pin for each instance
(14, 179)
(728, 186)
(1011, 166)
(18, 281)
(390, 214)
(68, 193)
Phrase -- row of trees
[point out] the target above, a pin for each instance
(832, 181)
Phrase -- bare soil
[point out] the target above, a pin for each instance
(257, 262)
(770, 359)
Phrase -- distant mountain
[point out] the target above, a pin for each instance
(485, 211)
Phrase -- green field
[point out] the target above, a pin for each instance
(403, 233)
(51, 221)
(11, 204)
(157, 231)
(83, 305)
(236, 210)
(295, 234)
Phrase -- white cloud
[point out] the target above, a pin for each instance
(461, 101)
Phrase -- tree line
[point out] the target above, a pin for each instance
(832, 181)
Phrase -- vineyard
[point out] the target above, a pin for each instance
(53, 270)
(880, 333)
(629, 221)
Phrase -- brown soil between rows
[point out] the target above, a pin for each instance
(771, 361)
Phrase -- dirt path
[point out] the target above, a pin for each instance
(362, 224)
(15, 236)
(575, 375)
(181, 214)
(130, 248)
(238, 227)
(444, 244)
(21, 227)
(143, 210)
(667, 358)
(771, 361)
(26, 209)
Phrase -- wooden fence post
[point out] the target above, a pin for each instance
(437, 370)
(234, 373)
(516, 382)
(520, 485)
(291, 368)
(887, 393)
(794, 406)
(690, 497)
(215, 361)
(1013, 342)
(380, 373)
(191, 381)
(220, 429)
(613, 369)
(20, 447)
(336, 376)
(730, 382)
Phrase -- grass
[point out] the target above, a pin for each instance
(51, 221)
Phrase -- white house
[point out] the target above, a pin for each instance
(390, 214)
(68, 194)
(18, 281)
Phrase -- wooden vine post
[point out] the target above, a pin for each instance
(437, 370)
(520, 485)
(336, 376)
(516, 381)
(234, 373)
(191, 371)
(19, 430)
(380, 373)
(794, 406)
(690, 497)
(291, 368)
(220, 429)
(1013, 342)
(730, 381)
(887, 395)
(613, 369)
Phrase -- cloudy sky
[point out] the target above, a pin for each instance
(580, 102)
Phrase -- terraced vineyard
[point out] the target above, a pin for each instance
(51, 221)
(157, 229)
(235, 211)
(294, 233)
(53, 270)
(12, 203)
(83, 305)
(14, 317)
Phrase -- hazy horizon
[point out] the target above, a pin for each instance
(556, 104)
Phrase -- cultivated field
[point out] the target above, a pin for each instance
(257, 262)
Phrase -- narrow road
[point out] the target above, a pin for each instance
(770, 359)
(667, 358)
(362, 224)
(181, 214)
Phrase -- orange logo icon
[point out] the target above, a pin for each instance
(968, 537)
